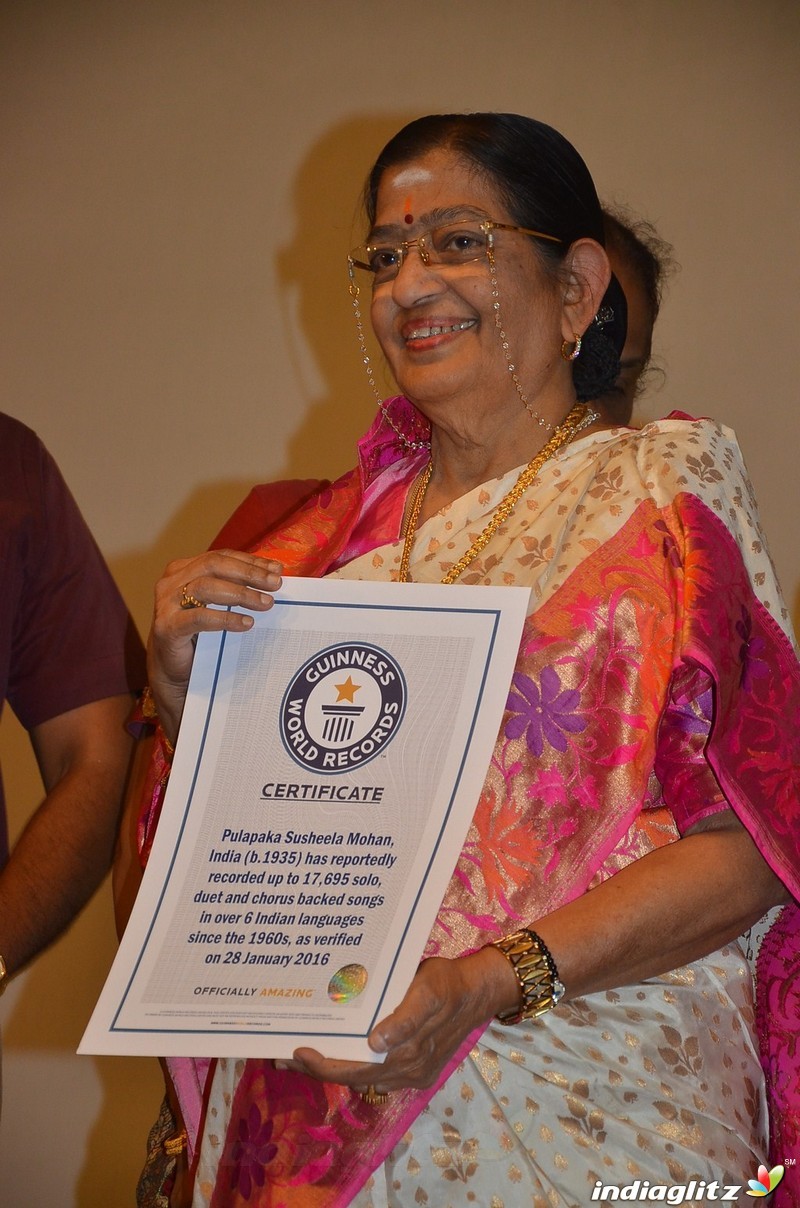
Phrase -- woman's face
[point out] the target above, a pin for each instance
(436, 323)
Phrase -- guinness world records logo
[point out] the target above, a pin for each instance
(343, 707)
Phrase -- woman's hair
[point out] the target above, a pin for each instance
(546, 186)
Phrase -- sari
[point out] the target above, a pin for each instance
(655, 685)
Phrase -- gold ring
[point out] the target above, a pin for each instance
(373, 1097)
(188, 600)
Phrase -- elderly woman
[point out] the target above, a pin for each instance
(584, 1015)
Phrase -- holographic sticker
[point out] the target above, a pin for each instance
(347, 983)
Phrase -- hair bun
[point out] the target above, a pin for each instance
(596, 369)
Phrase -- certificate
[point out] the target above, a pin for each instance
(328, 767)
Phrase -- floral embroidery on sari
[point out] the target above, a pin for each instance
(652, 687)
(620, 662)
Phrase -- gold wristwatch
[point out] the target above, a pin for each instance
(535, 970)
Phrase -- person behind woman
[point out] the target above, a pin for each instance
(584, 1014)
(641, 261)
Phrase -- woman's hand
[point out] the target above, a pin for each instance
(446, 1001)
(224, 577)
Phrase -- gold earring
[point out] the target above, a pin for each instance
(572, 354)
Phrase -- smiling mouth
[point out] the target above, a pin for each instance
(424, 333)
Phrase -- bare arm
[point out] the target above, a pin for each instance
(675, 905)
(126, 874)
(66, 847)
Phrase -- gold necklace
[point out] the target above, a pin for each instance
(579, 417)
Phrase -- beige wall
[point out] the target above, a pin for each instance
(179, 189)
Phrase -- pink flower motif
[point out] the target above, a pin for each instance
(587, 792)
(549, 787)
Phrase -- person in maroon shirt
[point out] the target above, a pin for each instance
(69, 660)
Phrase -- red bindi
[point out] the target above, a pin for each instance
(409, 217)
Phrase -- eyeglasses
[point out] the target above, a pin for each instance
(453, 244)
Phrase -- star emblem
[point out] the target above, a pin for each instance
(347, 690)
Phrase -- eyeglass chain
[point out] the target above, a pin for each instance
(367, 363)
(580, 417)
(498, 321)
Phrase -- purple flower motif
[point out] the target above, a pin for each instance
(669, 546)
(251, 1153)
(694, 714)
(543, 714)
(750, 651)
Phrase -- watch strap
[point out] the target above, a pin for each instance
(540, 987)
